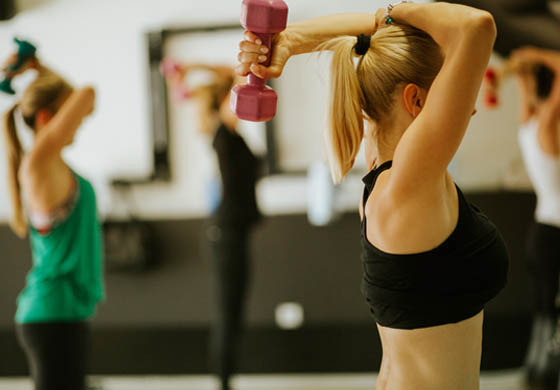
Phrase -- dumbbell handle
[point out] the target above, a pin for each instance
(26, 51)
(255, 80)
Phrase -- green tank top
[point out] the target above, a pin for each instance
(66, 281)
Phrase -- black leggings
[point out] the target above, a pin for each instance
(230, 257)
(543, 256)
(56, 354)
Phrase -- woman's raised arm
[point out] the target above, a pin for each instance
(466, 37)
(299, 38)
(60, 130)
(549, 109)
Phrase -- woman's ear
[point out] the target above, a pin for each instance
(42, 117)
(414, 98)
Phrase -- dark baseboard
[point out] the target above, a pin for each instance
(333, 348)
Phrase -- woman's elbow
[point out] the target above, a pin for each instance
(87, 98)
(487, 24)
(89, 92)
(483, 26)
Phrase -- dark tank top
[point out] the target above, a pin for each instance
(239, 170)
(447, 284)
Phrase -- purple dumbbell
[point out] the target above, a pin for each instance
(256, 101)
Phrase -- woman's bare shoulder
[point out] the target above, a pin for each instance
(411, 224)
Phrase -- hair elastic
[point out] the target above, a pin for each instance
(363, 45)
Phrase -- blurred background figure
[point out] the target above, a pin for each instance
(57, 208)
(537, 73)
(236, 211)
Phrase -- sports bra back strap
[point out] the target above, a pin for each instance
(371, 178)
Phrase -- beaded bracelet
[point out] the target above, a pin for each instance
(390, 7)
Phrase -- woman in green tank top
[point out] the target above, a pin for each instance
(57, 208)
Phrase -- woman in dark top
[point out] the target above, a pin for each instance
(237, 213)
(431, 259)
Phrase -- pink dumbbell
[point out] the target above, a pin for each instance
(256, 101)
(171, 70)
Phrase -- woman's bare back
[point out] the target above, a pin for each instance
(46, 186)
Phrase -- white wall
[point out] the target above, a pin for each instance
(101, 42)
(489, 157)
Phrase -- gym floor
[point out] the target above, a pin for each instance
(490, 380)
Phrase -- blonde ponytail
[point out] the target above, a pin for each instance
(398, 54)
(14, 154)
(44, 92)
(346, 118)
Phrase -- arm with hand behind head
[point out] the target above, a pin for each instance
(548, 111)
(176, 72)
(299, 38)
(58, 130)
(551, 60)
(213, 98)
(466, 37)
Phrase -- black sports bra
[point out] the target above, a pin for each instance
(447, 284)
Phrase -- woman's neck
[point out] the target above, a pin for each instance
(387, 141)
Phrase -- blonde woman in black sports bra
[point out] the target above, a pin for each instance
(431, 259)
